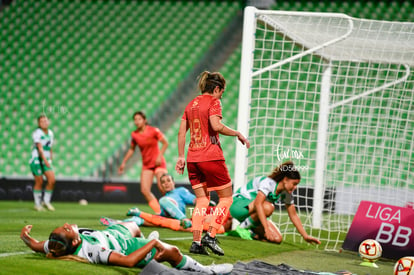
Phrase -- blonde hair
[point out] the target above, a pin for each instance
(207, 81)
(68, 258)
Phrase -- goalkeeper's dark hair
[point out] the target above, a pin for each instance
(207, 81)
(59, 245)
(286, 169)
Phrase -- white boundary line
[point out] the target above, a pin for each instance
(15, 253)
(186, 238)
(177, 239)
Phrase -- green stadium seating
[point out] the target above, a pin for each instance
(99, 61)
(91, 64)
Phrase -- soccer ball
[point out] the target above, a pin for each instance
(83, 202)
(370, 250)
(404, 266)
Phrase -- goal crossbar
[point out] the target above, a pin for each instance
(401, 47)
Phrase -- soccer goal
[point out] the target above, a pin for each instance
(335, 94)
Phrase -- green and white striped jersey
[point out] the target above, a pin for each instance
(46, 140)
(265, 185)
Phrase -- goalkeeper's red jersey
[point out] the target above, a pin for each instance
(147, 142)
(204, 141)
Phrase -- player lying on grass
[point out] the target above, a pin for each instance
(253, 204)
(119, 245)
(173, 206)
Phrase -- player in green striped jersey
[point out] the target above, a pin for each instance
(41, 164)
(254, 203)
(120, 244)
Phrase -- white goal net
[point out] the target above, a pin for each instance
(335, 94)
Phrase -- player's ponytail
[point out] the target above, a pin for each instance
(286, 169)
(207, 81)
(73, 258)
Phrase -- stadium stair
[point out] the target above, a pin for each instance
(172, 108)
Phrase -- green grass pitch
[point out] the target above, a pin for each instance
(16, 257)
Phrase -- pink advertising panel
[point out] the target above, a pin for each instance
(391, 226)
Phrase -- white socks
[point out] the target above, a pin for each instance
(37, 195)
(193, 265)
(47, 196)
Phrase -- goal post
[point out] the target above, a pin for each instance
(244, 93)
(335, 94)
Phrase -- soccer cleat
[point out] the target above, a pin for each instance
(39, 208)
(48, 206)
(138, 220)
(134, 212)
(212, 243)
(154, 235)
(185, 223)
(221, 269)
(107, 221)
(198, 249)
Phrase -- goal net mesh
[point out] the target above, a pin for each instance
(364, 67)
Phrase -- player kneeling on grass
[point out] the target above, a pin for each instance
(119, 245)
(253, 204)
